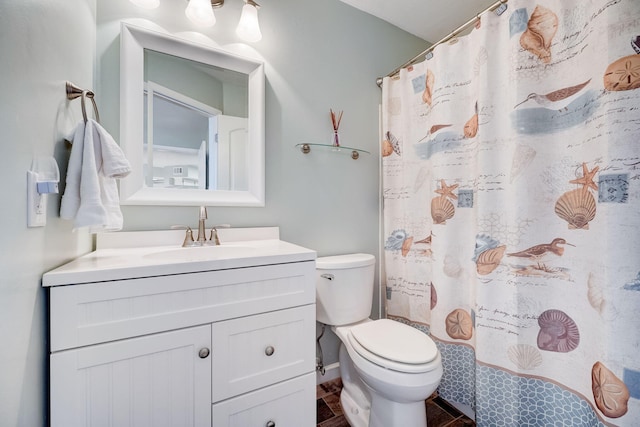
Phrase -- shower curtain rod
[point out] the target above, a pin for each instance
(454, 33)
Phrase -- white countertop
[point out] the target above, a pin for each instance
(117, 258)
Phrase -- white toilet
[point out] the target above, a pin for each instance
(388, 368)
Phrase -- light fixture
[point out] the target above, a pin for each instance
(200, 12)
(249, 27)
(147, 4)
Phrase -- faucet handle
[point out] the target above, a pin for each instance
(214, 233)
(188, 237)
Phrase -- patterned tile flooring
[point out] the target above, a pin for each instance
(329, 414)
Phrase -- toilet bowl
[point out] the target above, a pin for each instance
(388, 368)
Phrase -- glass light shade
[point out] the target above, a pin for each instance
(200, 13)
(249, 27)
(147, 4)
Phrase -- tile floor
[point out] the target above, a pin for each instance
(439, 412)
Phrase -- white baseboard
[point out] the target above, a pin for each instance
(331, 372)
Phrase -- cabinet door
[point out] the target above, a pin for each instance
(156, 380)
(287, 404)
(256, 351)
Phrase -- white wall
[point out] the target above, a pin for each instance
(319, 55)
(42, 44)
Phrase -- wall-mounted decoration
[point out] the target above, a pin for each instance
(335, 144)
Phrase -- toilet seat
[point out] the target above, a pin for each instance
(393, 345)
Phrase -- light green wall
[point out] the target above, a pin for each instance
(42, 44)
(318, 55)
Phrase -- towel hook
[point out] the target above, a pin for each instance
(74, 92)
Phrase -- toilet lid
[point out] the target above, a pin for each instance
(394, 341)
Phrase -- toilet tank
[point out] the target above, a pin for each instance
(344, 288)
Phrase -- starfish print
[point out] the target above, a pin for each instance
(447, 191)
(587, 177)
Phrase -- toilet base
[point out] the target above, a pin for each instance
(356, 415)
(385, 413)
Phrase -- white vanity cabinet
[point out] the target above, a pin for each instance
(220, 347)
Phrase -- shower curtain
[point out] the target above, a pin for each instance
(511, 186)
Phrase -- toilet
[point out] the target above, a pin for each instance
(388, 368)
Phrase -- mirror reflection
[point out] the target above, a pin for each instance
(195, 125)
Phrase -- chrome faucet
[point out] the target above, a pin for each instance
(202, 238)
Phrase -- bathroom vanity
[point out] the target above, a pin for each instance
(162, 335)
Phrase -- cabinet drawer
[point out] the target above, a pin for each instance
(288, 404)
(263, 349)
(106, 311)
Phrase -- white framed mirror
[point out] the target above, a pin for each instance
(191, 122)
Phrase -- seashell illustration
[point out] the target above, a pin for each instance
(522, 157)
(434, 297)
(387, 148)
(623, 74)
(635, 44)
(489, 260)
(471, 127)
(633, 285)
(484, 242)
(406, 246)
(451, 267)
(595, 294)
(395, 240)
(541, 29)
(427, 95)
(459, 324)
(525, 356)
(441, 210)
(390, 145)
(609, 392)
(577, 207)
(558, 332)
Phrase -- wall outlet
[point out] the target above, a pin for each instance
(36, 202)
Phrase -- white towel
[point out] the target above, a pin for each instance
(91, 195)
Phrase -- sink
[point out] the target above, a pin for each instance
(201, 253)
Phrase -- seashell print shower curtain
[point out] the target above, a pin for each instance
(511, 185)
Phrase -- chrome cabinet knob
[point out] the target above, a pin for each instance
(203, 353)
(269, 351)
(270, 424)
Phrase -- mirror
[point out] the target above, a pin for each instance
(191, 122)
